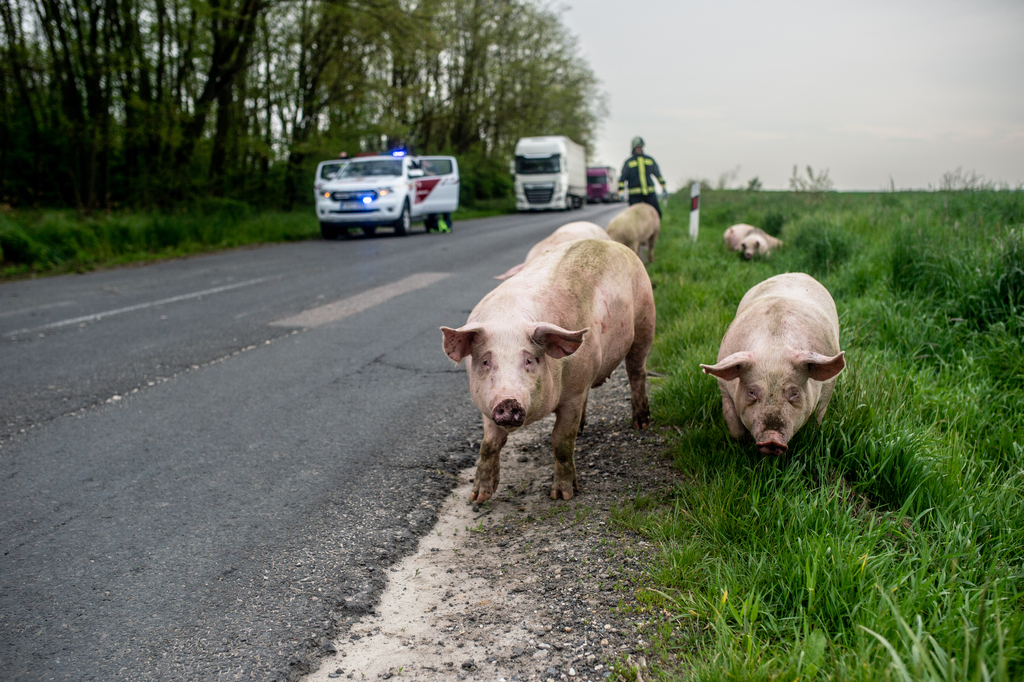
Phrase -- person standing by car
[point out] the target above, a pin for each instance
(639, 173)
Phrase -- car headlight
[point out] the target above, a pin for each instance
(384, 191)
(325, 195)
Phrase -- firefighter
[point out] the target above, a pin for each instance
(639, 172)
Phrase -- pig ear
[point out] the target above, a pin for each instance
(731, 367)
(820, 367)
(558, 342)
(458, 342)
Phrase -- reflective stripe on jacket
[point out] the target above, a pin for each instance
(639, 172)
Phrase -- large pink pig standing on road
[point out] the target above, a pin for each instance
(569, 232)
(779, 360)
(539, 342)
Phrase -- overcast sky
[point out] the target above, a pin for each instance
(868, 90)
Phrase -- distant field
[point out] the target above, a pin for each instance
(888, 544)
(57, 241)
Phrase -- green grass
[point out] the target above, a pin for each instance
(888, 544)
(50, 241)
(58, 241)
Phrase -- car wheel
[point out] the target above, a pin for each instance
(404, 222)
(328, 231)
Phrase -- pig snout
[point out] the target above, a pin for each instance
(508, 413)
(772, 444)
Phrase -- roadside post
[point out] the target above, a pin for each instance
(694, 209)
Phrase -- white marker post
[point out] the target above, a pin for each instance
(694, 209)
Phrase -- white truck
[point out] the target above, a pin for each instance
(392, 190)
(550, 173)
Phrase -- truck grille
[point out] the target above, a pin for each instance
(539, 194)
(354, 196)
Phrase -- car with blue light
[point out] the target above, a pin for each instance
(390, 190)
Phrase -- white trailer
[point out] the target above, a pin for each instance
(550, 173)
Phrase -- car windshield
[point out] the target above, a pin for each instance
(328, 171)
(372, 167)
(545, 164)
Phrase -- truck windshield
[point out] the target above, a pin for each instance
(544, 164)
(601, 179)
(371, 167)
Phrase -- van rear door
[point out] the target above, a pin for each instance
(438, 190)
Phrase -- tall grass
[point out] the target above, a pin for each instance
(889, 542)
(61, 241)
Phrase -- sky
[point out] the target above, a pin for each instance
(882, 94)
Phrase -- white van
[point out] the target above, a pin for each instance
(392, 190)
(550, 173)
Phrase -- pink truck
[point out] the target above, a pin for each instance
(602, 185)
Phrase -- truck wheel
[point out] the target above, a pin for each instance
(328, 231)
(404, 222)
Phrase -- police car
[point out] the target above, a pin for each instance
(390, 190)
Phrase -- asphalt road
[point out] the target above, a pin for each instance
(207, 465)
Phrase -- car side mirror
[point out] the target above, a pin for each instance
(415, 172)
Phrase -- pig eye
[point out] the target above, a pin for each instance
(752, 395)
(529, 361)
(794, 395)
(486, 364)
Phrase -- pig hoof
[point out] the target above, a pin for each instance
(566, 494)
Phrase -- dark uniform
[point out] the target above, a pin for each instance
(639, 173)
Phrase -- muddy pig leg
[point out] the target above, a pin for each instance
(563, 438)
(650, 248)
(488, 467)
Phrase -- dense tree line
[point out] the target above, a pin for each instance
(107, 103)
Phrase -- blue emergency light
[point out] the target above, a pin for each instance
(367, 200)
(398, 152)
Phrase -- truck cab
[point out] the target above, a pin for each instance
(602, 185)
(387, 190)
(550, 173)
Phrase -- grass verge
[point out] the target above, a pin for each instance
(889, 542)
(55, 242)
(51, 242)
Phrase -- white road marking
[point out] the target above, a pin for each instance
(38, 307)
(332, 312)
(140, 306)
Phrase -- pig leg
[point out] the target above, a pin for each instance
(563, 438)
(650, 248)
(636, 370)
(487, 469)
(732, 418)
(583, 417)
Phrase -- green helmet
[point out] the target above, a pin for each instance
(637, 142)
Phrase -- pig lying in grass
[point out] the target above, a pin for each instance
(540, 341)
(636, 226)
(566, 233)
(750, 241)
(779, 360)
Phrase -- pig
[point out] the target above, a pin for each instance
(750, 241)
(541, 340)
(778, 361)
(581, 229)
(637, 225)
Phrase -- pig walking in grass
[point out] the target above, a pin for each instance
(566, 233)
(539, 342)
(778, 361)
(637, 226)
(750, 241)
